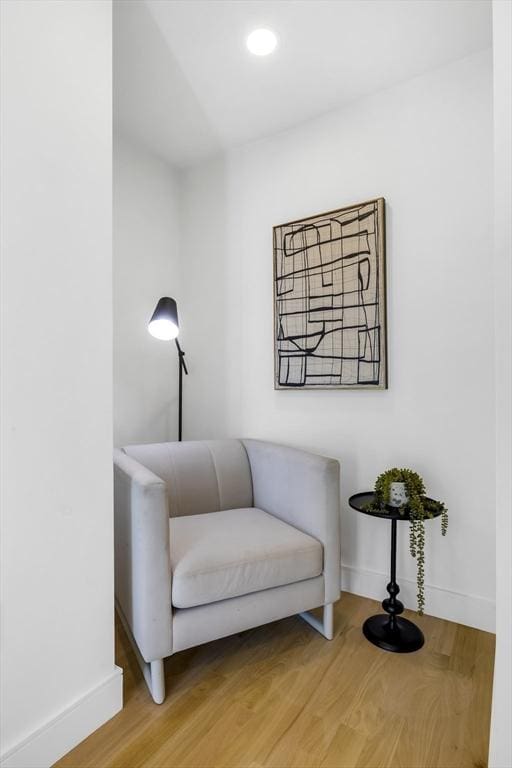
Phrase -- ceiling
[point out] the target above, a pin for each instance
(186, 86)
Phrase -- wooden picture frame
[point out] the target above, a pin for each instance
(330, 329)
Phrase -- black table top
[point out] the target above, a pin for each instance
(359, 500)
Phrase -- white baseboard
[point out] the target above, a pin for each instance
(471, 610)
(49, 743)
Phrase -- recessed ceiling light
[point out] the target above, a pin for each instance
(261, 42)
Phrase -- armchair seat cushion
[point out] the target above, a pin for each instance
(218, 555)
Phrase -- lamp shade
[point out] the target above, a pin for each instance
(164, 320)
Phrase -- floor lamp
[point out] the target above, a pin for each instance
(164, 325)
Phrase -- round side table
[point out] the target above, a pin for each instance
(389, 630)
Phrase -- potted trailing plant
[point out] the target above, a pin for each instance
(404, 490)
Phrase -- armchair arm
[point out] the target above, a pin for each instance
(302, 489)
(142, 559)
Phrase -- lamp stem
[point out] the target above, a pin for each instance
(182, 368)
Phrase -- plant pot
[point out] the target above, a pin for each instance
(397, 495)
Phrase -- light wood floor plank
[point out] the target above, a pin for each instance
(281, 696)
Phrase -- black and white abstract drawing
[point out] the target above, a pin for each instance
(330, 300)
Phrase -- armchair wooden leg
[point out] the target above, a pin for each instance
(326, 626)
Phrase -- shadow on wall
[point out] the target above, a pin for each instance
(153, 100)
(211, 275)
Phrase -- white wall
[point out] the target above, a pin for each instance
(58, 676)
(146, 267)
(426, 146)
(501, 736)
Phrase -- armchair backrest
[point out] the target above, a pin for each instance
(201, 476)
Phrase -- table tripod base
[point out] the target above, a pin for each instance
(405, 638)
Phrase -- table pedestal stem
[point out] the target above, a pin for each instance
(390, 631)
(391, 605)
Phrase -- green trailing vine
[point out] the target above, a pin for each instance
(419, 508)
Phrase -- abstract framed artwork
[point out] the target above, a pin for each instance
(330, 300)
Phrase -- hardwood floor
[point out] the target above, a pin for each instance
(282, 695)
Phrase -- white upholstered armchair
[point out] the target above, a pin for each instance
(215, 537)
